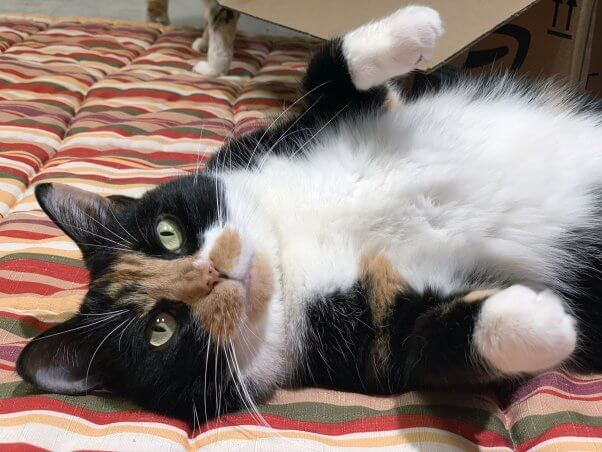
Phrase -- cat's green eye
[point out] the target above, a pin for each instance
(169, 234)
(161, 329)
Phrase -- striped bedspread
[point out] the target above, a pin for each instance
(114, 108)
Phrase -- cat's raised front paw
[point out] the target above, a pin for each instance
(391, 46)
(522, 331)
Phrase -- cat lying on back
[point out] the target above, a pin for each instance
(218, 35)
(370, 243)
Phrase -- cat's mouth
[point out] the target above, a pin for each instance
(256, 279)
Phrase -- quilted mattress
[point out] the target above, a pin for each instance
(113, 107)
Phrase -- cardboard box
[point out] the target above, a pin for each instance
(561, 38)
(553, 37)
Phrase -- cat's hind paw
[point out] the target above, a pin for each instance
(391, 46)
(522, 331)
(204, 68)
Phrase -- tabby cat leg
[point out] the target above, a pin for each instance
(201, 44)
(222, 31)
(156, 11)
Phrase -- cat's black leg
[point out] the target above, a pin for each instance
(345, 79)
(478, 336)
(350, 73)
(585, 300)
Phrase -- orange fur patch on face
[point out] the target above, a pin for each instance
(226, 250)
(156, 279)
(220, 311)
(261, 290)
(385, 282)
(478, 295)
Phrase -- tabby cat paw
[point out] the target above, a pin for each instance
(204, 68)
(521, 331)
(391, 46)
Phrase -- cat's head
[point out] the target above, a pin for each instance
(180, 313)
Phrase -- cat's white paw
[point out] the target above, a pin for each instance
(521, 331)
(391, 46)
(200, 44)
(204, 68)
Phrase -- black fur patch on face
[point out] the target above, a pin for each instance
(106, 343)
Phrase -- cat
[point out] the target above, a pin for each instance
(217, 39)
(372, 243)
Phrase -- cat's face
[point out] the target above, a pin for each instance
(177, 316)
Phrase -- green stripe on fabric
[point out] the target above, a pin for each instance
(30, 122)
(19, 328)
(534, 425)
(45, 258)
(105, 403)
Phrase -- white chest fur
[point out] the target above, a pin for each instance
(443, 186)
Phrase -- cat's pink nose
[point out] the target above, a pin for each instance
(209, 275)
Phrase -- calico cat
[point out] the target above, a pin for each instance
(370, 243)
(218, 35)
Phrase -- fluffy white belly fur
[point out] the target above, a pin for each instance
(441, 186)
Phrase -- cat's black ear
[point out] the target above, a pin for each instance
(86, 217)
(59, 359)
(122, 201)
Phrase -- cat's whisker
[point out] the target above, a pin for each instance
(123, 240)
(88, 325)
(205, 382)
(286, 110)
(123, 331)
(105, 246)
(103, 313)
(121, 226)
(120, 244)
(284, 134)
(246, 396)
(195, 418)
(98, 348)
(198, 159)
(142, 234)
(321, 128)
(215, 385)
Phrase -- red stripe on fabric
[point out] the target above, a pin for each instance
(366, 425)
(14, 172)
(17, 287)
(113, 180)
(53, 269)
(20, 447)
(105, 93)
(31, 148)
(556, 393)
(83, 153)
(25, 235)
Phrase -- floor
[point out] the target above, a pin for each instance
(181, 12)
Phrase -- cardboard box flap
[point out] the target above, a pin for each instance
(465, 21)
